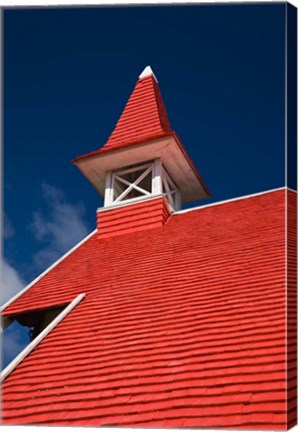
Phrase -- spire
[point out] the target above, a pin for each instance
(143, 156)
(144, 116)
(148, 72)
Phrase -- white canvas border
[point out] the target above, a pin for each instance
(59, 3)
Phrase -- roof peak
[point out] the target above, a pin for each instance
(148, 72)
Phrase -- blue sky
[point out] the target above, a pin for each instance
(68, 73)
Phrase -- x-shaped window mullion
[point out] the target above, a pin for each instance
(122, 180)
(117, 188)
(133, 185)
(166, 185)
(169, 193)
(170, 182)
(171, 199)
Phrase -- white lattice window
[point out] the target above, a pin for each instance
(132, 183)
(140, 181)
(170, 191)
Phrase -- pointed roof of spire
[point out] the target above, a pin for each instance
(148, 72)
(143, 133)
(144, 115)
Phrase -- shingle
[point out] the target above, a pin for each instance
(144, 118)
(182, 325)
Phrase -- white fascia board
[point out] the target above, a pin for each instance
(12, 299)
(230, 200)
(27, 350)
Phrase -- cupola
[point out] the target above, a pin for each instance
(143, 160)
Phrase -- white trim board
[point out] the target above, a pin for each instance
(12, 299)
(27, 350)
(231, 200)
(129, 203)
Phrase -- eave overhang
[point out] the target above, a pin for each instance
(168, 148)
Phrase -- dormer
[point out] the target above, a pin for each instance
(143, 158)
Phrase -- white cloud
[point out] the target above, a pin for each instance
(8, 230)
(58, 229)
(11, 281)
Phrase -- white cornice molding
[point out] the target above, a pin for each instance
(231, 200)
(290, 189)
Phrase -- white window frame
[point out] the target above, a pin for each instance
(33, 344)
(170, 191)
(161, 184)
(148, 168)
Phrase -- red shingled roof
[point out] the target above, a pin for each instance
(183, 325)
(143, 118)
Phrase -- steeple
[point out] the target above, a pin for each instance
(144, 116)
(143, 157)
(148, 72)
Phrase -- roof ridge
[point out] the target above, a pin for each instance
(164, 119)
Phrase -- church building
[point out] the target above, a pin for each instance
(162, 317)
